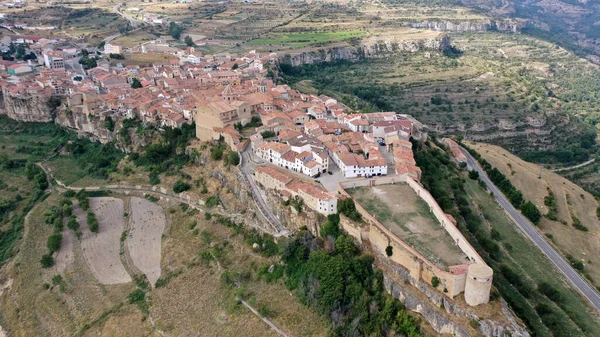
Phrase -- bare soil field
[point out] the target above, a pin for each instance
(102, 249)
(65, 255)
(28, 308)
(145, 234)
(572, 202)
(400, 209)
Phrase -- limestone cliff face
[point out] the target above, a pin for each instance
(93, 128)
(27, 108)
(471, 26)
(370, 47)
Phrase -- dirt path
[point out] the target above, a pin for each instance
(102, 250)
(65, 255)
(144, 241)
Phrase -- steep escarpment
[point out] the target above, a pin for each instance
(472, 26)
(29, 107)
(377, 45)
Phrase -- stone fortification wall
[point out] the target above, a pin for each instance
(419, 267)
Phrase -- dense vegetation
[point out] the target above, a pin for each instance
(343, 286)
(544, 315)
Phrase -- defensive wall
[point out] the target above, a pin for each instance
(474, 278)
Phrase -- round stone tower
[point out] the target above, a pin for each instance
(479, 284)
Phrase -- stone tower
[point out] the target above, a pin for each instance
(228, 94)
(479, 284)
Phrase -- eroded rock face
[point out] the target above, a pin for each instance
(372, 47)
(479, 26)
(446, 325)
(28, 108)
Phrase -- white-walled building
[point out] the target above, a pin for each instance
(112, 48)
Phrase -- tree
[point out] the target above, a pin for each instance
(331, 226)
(175, 30)
(435, 281)
(348, 208)
(234, 158)
(531, 212)
(344, 245)
(235, 66)
(135, 83)
(189, 41)
(268, 134)
(389, 251)
(47, 261)
(54, 242)
(473, 175)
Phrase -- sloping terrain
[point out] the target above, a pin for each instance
(573, 204)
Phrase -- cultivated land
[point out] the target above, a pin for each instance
(572, 202)
(147, 223)
(400, 209)
(65, 255)
(38, 311)
(102, 249)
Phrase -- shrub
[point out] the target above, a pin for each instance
(54, 242)
(181, 186)
(216, 153)
(212, 201)
(154, 179)
(92, 222)
(47, 261)
(233, 158)
(435, 281)
(73, 224)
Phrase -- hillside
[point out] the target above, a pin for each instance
(573, 204)
(570, 23)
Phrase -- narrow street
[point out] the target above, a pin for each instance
(247, 170)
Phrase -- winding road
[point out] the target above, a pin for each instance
(576, 280)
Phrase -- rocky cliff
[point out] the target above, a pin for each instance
(28, 108)
(370, 47)
(471, 26)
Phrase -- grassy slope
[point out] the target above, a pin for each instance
(582, 205)
(525, 258)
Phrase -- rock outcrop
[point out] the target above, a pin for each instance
(29, 108)
(471, 26)
(370, 47)
(446, 323)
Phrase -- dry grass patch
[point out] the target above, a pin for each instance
(401, 210)
(571, 200)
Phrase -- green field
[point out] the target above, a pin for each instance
(299, 40)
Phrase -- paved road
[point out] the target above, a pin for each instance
(531, 232)
(132, 22)
(257, 195)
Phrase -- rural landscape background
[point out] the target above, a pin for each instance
(131, 227)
